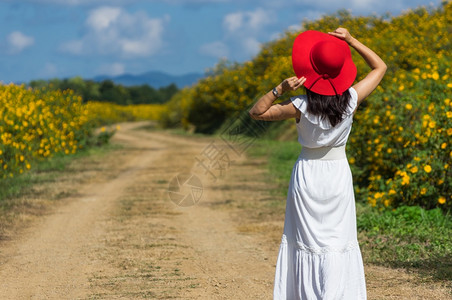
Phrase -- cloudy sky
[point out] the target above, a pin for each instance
(65, 38)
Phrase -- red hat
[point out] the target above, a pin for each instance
(325, 61)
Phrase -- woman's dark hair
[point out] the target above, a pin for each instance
(331, 107)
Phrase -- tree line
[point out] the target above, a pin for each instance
(108, 91)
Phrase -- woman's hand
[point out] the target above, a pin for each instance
(264, 110)
(342, 34)
(292, 84)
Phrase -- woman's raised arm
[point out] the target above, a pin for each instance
(371, 81)
(264, 109)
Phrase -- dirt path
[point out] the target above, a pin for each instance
(120, 237)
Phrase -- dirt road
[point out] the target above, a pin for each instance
(118, 235)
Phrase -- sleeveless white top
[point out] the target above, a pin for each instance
(313, 132)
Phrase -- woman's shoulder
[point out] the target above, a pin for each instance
(353, 93)
(299, 102)
(353, 102)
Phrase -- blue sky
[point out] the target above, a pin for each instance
(65, 38)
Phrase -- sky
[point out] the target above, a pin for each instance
(42, 39)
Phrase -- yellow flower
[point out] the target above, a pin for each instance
(401, 87)
(392, 192)
(102, 129)
(432, 124)
(414, 169)
(386, 202)
(440, 181)
(449, 131)
(405, 178)
(427, 169)
(423, 191)
(435, 76)
(449, 114)
(408, 106)
(351, 160)
(443, 145)
(441, 200)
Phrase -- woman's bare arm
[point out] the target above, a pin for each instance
(264, 109)
(371, 81)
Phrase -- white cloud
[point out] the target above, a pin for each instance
(49, 70)
(102, 18)
(295, 27)
(216, 49)
(259, 18)
(17, 42)
(112, 30)
(113, 69)
(246, 20)
(251, 46)
(234, 21)
(243, 30)
(74, 47)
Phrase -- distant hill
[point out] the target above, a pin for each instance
(154, 78)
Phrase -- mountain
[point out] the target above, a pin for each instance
(154, 78)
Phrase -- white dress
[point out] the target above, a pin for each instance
(319, 255)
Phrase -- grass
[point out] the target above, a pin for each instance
(43, 172)
(408, 237)
(281, 158)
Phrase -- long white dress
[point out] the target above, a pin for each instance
(319, 255)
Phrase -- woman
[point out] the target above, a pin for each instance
(319, 255)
